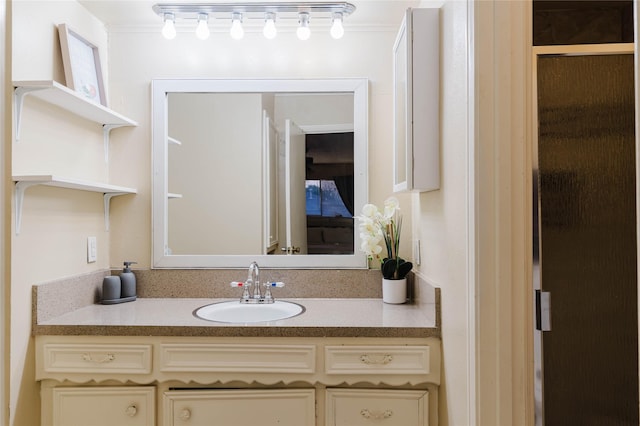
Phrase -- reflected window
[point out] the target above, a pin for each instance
(323, 199)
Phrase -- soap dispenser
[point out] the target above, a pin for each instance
(128, 282)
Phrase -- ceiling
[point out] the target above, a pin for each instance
(138, 13)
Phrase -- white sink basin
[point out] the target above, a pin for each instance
(234, 311)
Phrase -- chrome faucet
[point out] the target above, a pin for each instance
(251, 292)
(254, 276)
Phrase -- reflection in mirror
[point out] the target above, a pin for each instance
(266, 170)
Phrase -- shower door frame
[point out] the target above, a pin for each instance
(538, 51)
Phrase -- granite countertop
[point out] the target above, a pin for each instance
(326, 317)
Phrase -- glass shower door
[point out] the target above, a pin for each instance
(585, 239)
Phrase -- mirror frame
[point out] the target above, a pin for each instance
(159, 114)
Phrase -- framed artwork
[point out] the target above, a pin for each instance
(81, 61)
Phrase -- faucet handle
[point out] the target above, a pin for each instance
(245, 285)
(268, 285)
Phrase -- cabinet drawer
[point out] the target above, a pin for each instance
(107, 358)
(237, 358)
(104, 406)
(356, 407)
(268, 407)
(376, 359)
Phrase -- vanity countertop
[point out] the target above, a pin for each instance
(174, 317)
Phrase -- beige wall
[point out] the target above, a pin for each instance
(443, 218)
(5, 215)
(55, 222)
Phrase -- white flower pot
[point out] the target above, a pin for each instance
(394, 291)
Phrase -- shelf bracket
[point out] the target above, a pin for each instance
(21, 187)
(107, 202)
(106, 130)
(19, 95)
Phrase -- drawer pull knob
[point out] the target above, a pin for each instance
(106, 358)
(381, 360)
(376, 415)
(185, 414)
(131, 410)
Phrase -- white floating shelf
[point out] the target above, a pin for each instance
(108, 191)
(172, 195)
(57, 94)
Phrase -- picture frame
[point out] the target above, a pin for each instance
(82, 68)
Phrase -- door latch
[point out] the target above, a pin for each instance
(543, 310)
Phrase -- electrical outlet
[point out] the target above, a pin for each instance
(92, 249)
(416, 252)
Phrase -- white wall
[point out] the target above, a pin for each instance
(5, 217)
(443, 218)
(55, 222)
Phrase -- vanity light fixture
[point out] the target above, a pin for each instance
(236, 32)
(270, 31)
(202, 29)
(169, 27)
(303, 32)
(291, 15)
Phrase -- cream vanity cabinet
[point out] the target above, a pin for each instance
(240, 381)
(416, 102)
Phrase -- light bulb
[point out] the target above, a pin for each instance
(303, 32)
(236, 32)
(337, 31)
(269, 29)
(202, 30)
(169, 28)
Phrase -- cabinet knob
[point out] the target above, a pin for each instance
(185, 414)
(380, 360)
(131, 410)
(376, 415)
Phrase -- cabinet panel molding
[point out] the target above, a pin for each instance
(377, 359)
(96, 358)
(104, 406)
(361, 407)
(245, 407)
(239, 358)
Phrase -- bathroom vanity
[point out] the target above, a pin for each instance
(151, 362)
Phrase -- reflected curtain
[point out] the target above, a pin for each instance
(346, 191)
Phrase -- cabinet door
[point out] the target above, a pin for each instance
(361, 407)
(240, 407)
(104, 406)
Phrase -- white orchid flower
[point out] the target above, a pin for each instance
(391, 205)
(369, 210)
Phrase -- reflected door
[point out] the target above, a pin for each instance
(295, 191)
(586, 240)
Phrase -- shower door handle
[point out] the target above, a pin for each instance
(543, 310)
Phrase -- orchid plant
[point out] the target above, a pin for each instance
(385, 225)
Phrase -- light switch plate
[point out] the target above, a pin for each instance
(92, 249)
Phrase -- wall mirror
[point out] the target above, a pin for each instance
(264, 170)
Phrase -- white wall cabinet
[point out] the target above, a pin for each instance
(416, 102)
(237, 381)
